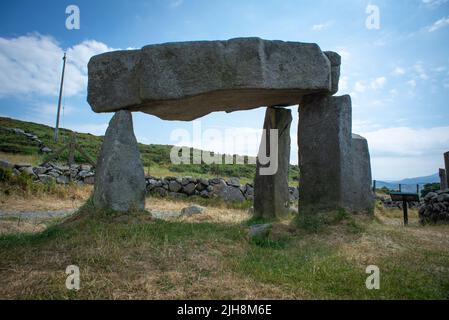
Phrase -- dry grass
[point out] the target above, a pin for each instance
(209, 257)
(65, 198)
(20, 158)
(211, 214)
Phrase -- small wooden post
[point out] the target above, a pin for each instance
(72, 146)
(374, 186)
(446, 164)
(400, 187)
(417, 189)
(405, 208)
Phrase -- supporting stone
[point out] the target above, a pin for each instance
(446, 165)
(362, 198)
(324, 143)
(443, 179)
(271, 194)
(119, 179)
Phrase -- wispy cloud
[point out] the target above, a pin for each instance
(176, 3)
(322, 26)
(378, 83)
(408, 141)
(443, 22)
(433, 3)
(398, 71)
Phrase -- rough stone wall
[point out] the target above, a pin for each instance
(435, 207)
(230, 190)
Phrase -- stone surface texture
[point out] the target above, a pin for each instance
(120, 180)
(324, 145)
(187, 80)
(362, 197)
(271, 192)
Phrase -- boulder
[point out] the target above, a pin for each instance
(260, 231)
(187, 80)
(45, 178)
(40, 170)
(6, 164)
(189, 188)
(231, 194)
(120, 178)
(27, 170)
(62, 180)
(46, 150)
(174, 186)
(192, 210)
(234, 182)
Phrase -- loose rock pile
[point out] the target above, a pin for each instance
(181, 187)
(61, 174)
(435, 207)
(30, 136)
(390, 204)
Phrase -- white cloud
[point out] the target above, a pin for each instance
(412, 83)
(322, 26)
(433, 3)
(421, 71)
(359, 87)
(32, 64)
(406, 141)
(443, 22)
(98, 129)
(378, 83)
(176, 3)
(398, 71)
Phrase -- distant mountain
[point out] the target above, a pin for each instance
(408, 184)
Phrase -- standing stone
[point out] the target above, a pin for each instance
(324, 145)
(119, 180)
(362, 197)
(446, 165)
(443, 179)
(271, 194)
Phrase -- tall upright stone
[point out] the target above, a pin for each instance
(271, 194)
(119, 179)
(362, 196)
(446, 165)
(324, 143)
(443, 179)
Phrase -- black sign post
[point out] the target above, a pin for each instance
(405, 198)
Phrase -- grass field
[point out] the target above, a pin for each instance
(210, 257)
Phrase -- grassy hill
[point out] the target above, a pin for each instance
(156, 158)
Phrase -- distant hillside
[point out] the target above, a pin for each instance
(408, 184)
(156, 158)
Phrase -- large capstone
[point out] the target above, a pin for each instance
(271, 193)
(324, 143)
(187, 80)
(362, 197)
(119, 179)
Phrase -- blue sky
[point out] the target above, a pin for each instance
(397, 75)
